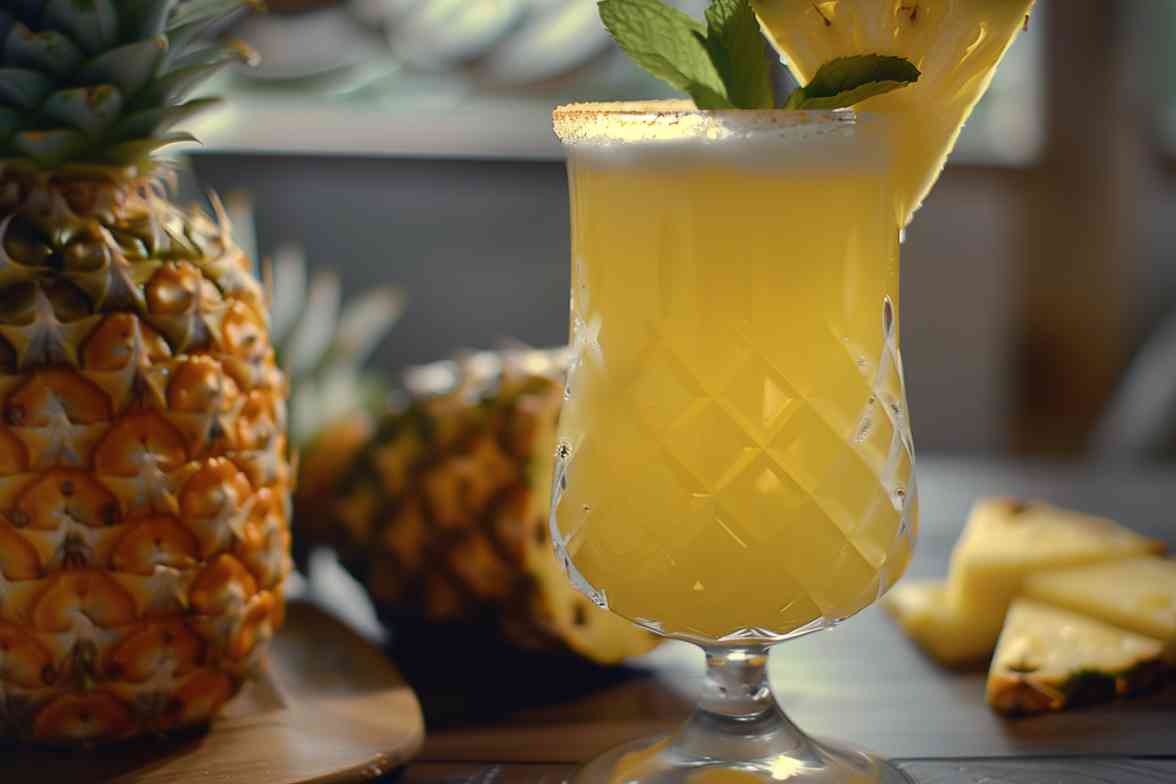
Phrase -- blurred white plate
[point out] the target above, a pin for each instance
(382, 13)
(447, 33)
(300, 46)
(557, 37)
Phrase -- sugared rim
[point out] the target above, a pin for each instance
(630, 121)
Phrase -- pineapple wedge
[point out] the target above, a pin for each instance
(957, 44)
(1004, 541)
(921, 609)
(1138, 595)
(1049, 659)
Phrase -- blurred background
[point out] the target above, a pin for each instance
(409, 142)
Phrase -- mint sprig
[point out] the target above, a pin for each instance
(847, 81)
(669, 44)
(737, 49)
(723, 63)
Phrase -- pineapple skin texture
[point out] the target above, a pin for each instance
(442, 515)
(144, 479)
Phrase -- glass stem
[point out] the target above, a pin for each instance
(736, 687)
(737, 733)
(737, 707)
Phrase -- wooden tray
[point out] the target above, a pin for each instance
(331, 710)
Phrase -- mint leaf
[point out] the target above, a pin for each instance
(669, 44)
(724, 64)
(848, 81)
(737, 50)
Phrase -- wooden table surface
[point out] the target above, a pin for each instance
(863, 682)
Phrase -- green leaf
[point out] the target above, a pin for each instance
(50, 148)
(91, 23)
(738, 52)
(144, 18)
(312, 334)
(847, 81)
(668, 44)
(23, 89)
(193, 20)
(155, 120)
(195, 11)
(138, 150)
(10, 120)
(173, 87)
(88, 109)
(47, 51)
(130, 67)
(182, 39)
(363, 324)
(212, 53)
(289, 291)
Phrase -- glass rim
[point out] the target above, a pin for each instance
(681, 120)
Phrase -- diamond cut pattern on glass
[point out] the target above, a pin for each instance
(759, 395)
(712, 349)
(761, 494)
(559, 490)
(736, 453)
(820, 460)
(874, 533)
(663, 389)
(883, 435)
(579, 507)
(765, 497)
(874, 434)
(709, 443)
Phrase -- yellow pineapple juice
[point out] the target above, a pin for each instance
(735, 457)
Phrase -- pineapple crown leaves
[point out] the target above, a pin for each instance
(471, 373)
(326, 344)
(105, 81)
(322, 343)
(314, 330)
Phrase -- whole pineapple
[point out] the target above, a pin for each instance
(144, 479)
(443, 513)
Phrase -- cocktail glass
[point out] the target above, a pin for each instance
(735, 465)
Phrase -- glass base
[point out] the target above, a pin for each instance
(738, 735)
(662, 761)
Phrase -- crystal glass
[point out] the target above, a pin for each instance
(735, 465)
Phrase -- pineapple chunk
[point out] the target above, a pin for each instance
(1004, 541)
(922, 610)
(1139, 595)
(1049, 659)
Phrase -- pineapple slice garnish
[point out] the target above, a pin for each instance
(956, 44)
